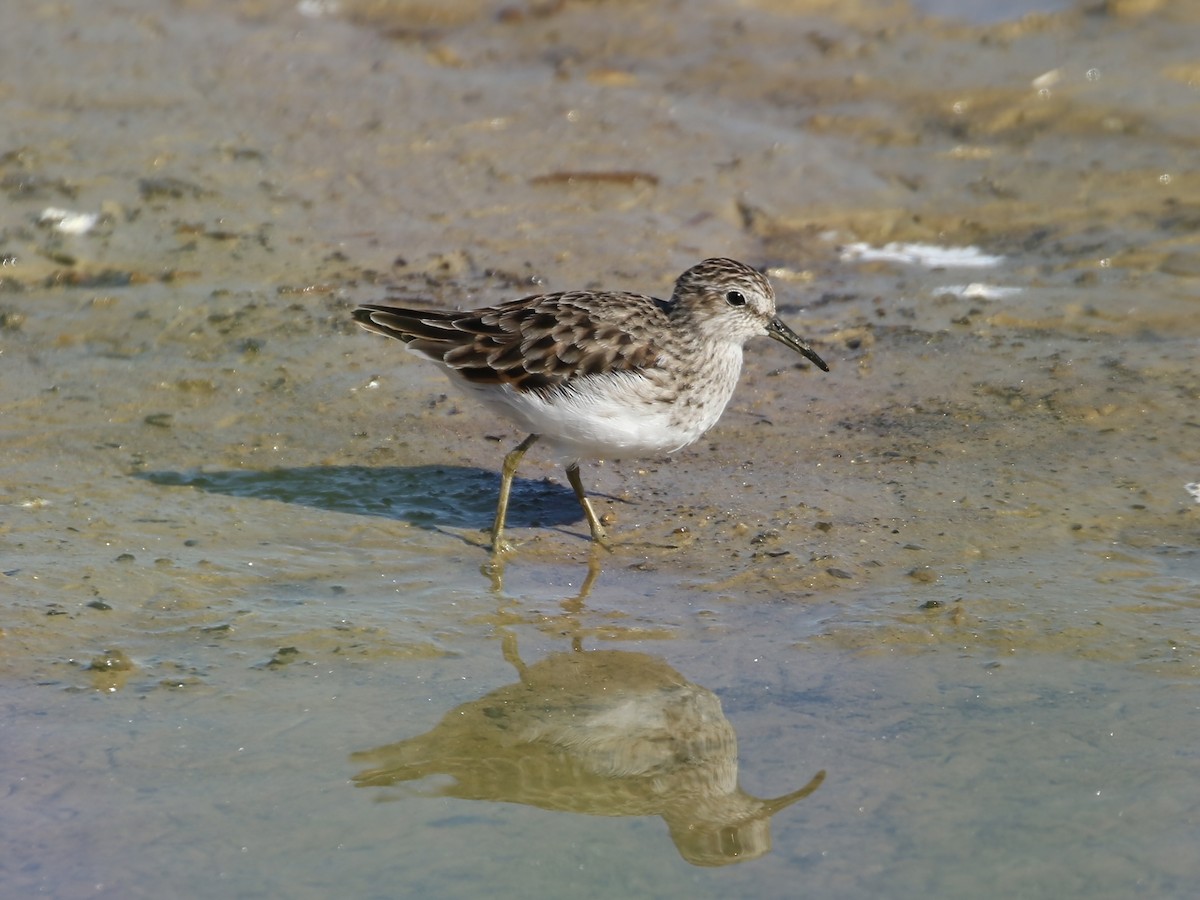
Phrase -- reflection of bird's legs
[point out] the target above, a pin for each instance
(507, 471)
(575, 604)
(508, 646)
(493, 570)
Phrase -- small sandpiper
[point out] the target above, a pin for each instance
(600, 374)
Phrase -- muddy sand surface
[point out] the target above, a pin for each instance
(944, 600)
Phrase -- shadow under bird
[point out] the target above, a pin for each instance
(600, 374)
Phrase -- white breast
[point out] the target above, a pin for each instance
(620, 413)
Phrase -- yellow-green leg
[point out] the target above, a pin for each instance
(598, 532)
(507, 471)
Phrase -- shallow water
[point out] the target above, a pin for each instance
(247, 613)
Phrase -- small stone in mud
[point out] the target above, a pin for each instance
(282, 657)
(175, 188)
(1181, 263)
(111, 661)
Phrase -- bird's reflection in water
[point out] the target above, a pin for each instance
(600, 732)
(494, 572)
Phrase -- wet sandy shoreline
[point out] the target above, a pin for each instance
(240, 538)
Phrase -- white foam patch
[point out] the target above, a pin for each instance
(315, 9)
(68, 221)
(977, 290)
(931, 256)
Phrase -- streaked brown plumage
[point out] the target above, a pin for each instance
(533, 343)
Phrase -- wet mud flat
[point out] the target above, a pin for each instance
(242, 546)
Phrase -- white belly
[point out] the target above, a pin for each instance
(605, 416)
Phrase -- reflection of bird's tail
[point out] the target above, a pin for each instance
(405, 761)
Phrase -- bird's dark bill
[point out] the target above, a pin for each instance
(785, 335)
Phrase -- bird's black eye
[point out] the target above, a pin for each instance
(735, 298)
